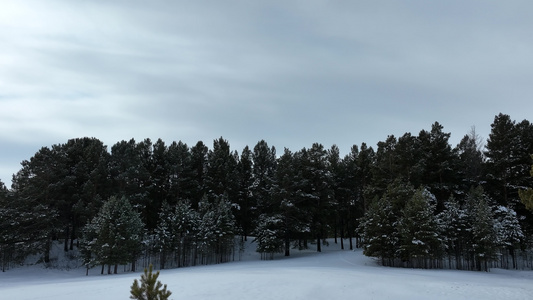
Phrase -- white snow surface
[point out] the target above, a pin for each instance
(331, 274)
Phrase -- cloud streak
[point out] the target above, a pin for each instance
(290, 73)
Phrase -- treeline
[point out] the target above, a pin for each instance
(186, 204)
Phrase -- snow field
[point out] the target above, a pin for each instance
(332, 274)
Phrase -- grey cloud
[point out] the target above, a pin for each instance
(292, 73)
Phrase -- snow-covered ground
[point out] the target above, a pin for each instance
(332, 274)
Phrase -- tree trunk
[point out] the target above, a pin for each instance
(335, 230)
(47, 251)
(287, 246)
(162, 261)
(350, 233)
(342, 234)
(115, 271)
(512, 252)
(72, 237)
(318, 244)
(67, 236)
(4, 258)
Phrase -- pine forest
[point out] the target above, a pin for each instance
(414, 201)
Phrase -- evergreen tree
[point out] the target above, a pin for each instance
(23, 228)
(508, 230)
(166, 240)
(114, 236)
(384, 170)
(38, 190)
(337, 171)
(350, 198)
(471, 160)
(526, 196)
(264, 167)
(285, 202)
(158, 166)
(504, 167)
(129, 165)
(524, 152)
(454, 230)
(315, 190)
(408, 157)
(149, 288)
(180, 173)
(198, 173)
(176, 234)
(362, 173)
(85, 182)
(379, 227)
(221, 171)
(185, 228)
(437, 163)
(245, 207)
(484, 242)
(269, 235)
(379, 231)
(509, 160)
(420, 245)
(216, 233)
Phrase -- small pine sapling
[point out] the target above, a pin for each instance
(150, 287)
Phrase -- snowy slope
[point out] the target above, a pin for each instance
(332, 274)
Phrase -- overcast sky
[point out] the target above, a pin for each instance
(289, 72)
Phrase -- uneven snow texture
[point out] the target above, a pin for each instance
(332, 274)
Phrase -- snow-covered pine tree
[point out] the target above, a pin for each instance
(175, 234)
(453, 231)
(89, 246)
(225, 229)
(421, 245)
(269, 235)
(484, 243)
(509, 231)
(165, 238)
(205, 236)
(185, 229)
(114, 236)
(150, 288)
(378, 230)
(215, 233)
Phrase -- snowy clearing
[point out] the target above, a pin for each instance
(332, 274)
